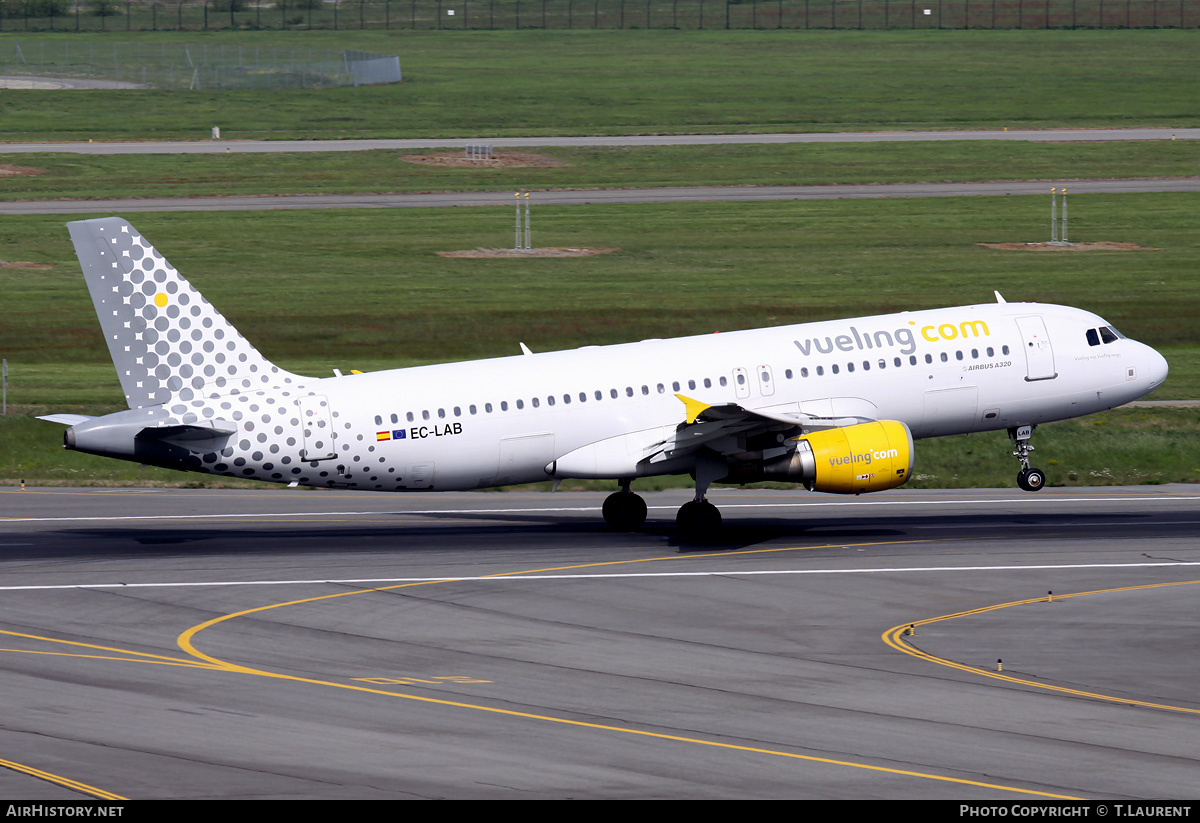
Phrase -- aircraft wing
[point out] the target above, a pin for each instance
(728, 429)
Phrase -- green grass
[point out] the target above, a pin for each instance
(1121, 447)
(366, 289)
(480, 83)
(94, 176)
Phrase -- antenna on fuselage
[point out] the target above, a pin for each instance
(999, 297)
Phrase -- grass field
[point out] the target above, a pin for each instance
(366, 289)
(481, 83)
(96, 176)
(1124, 446)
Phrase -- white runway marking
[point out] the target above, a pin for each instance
(548, 510)
(517, 576)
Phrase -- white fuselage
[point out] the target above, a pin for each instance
(202, 398)
(492, 422)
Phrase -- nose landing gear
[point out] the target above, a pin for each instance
(1029, 479)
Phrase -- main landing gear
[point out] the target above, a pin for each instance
(624, 510)
(699, 520)
(1029, 479)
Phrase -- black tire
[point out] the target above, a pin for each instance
(624, 511)
(698, 521)
(1031, 480)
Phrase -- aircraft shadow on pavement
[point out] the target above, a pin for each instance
(516, 530)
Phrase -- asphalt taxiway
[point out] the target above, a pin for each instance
(587, 197)
(273, 146)
(173, 643)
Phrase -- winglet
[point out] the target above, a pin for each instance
(694, 408)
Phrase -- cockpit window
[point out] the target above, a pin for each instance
(1104, 334)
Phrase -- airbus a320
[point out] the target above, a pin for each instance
(835, 406)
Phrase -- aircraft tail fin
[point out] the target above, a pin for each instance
(167, 342)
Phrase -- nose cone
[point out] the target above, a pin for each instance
(1156, 369)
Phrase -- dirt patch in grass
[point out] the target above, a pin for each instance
(23, 264)
(546, 252)
(17, 171)
(1099, 246)
(499, 160)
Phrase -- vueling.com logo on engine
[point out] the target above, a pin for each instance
(866, 458)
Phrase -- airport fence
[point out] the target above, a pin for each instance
(188, 15)
(176, 66)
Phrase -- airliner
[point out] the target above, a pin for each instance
(833, 405)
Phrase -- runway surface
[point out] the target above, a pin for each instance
(581, 197)
(272, 146)
(217, 643)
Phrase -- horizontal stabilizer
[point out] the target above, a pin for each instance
(65, 419)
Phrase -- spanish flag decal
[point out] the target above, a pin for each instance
(382, 436)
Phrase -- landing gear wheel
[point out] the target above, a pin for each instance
(698, 520)
(1031, 480)
(624, 511)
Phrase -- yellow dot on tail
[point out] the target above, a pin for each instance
(160, 299)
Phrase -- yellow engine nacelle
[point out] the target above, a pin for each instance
(868, 457)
